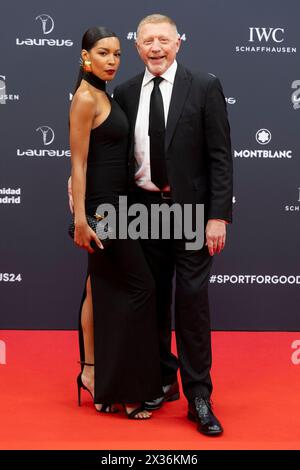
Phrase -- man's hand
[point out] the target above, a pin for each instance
(215, 235)
(71, 205)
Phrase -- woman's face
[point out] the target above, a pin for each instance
(104, 57)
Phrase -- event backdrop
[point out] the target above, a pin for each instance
(254, 48)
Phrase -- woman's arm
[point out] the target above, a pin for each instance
(82, 114)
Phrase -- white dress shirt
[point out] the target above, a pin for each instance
(141, 137)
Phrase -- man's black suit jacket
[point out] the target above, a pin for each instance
(197, 140)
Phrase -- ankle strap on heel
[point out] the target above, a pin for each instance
(85, 363)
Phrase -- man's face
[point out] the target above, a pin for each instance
(157, 45)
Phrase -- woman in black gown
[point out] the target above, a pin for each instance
(119, 348)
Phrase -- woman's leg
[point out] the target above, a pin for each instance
(87, 325)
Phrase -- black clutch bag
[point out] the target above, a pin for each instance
(100, 226)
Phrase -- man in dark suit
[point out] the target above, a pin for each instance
(192, 166)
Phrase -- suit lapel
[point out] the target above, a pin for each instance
(179, 94)
(132, 99)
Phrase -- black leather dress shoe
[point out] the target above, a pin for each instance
(200, 411)
(171, 393)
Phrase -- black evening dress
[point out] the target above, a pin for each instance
(127, 367)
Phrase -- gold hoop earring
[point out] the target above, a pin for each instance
(87, 65)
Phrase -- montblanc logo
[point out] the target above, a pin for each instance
(263, 137)
(266, 40)
(295, 98)
(294, 207)
(47, 26)
(4, 95)
(47, 138)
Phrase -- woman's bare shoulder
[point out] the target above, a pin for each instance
(83, 100)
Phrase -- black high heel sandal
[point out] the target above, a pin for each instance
(105, 408)
(132, 414)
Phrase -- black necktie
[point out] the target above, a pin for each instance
(157, 136)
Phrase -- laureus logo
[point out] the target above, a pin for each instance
(47, 133)
(295, 97)
(47, 23)
(47, 137)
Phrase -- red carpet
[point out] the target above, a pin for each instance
(256, 397)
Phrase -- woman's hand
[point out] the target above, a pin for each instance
(84, 235)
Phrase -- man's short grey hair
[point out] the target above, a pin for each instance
(156, 18)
